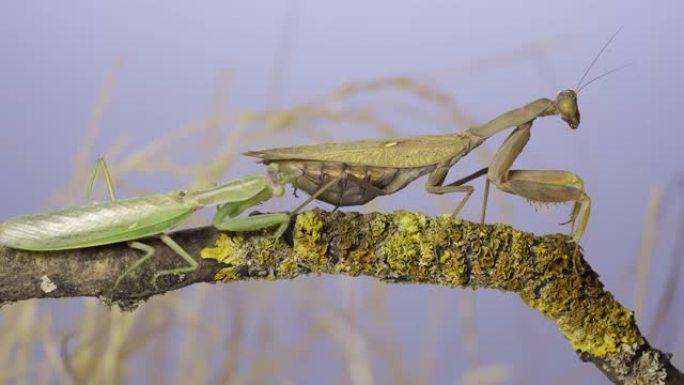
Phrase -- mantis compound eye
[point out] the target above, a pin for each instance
(566, 102)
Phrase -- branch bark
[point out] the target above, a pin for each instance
(399, 247)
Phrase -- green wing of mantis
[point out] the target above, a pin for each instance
(96, 224)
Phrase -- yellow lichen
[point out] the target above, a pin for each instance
(360, 262)
(287, 268)
(378, 224)
(229, 250)
(263, 251)
(453, 267)
(600, 328)
(445, 251)
(310, 245)
(589, 318)
(407, 245)
(227, 274)
(356, 255)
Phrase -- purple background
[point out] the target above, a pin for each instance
(54, 57)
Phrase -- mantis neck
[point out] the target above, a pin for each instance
(515, 118)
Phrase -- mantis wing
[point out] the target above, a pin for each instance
(418, 151)
(96, 224)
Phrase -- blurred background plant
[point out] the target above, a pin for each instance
(287, 81)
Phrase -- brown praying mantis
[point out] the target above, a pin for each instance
(356, 172)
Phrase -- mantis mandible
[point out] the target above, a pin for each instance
(128, 220)
(356, 172)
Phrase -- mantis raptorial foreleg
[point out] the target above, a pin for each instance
(552, 186)
(148, 250)
(516, 117)
(251, 223)
(260, 221)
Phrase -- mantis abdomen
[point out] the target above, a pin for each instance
(355, 185)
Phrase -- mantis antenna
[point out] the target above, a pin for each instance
(598, 55)
(616, 69)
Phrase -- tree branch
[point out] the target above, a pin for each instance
(400, 247)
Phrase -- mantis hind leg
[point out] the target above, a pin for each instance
(281, 229)
(101, 164)
(192, 263)
(149, 252)
(318, 192)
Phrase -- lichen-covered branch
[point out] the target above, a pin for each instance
(399, 247)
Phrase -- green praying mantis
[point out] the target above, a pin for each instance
(128, 220)
(342, 174)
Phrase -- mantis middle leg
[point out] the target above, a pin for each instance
(436, 178)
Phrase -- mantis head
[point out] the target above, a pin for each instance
(566, 103)
(278, 179)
